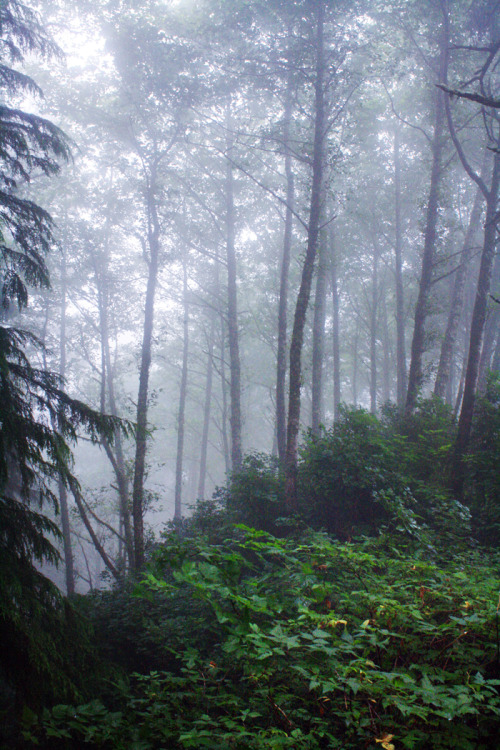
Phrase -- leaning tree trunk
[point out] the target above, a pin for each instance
(153, 241)
(307, 272)
(477, 327)
(182, 395)
(281, 359)
(415, 377)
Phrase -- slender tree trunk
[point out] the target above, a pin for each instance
(206, 411)
(415, 377)
(182, 395)
(355, 368)
(490, 333)
(495, 365)
(373, 331)
(386, 381)
(400, 317)
(307, 270)
(318, 343)
(335, 325)
(285, 268)
(115, 452)
(232, 312)
(153, 241)
(448, 343)
(477, 327)
(63, 494)
(224, 433)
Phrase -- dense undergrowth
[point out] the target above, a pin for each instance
(368, 620)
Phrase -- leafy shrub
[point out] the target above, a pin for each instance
(322, 645)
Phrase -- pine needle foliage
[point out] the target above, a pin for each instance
(38, 421)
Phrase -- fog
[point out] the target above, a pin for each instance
(271, 212)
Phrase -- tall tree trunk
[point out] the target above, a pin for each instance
(224, 411)
(153, 243)
(232, 311)
(400, 317)
(373, 331)
(355, 366)
(69, 569)
(415, 377)
(335, 324)
(386, 380)
(281, 360)
(477, 327)
(448, 343)
(307, 270)
(490, 332)
(115, 452)
(206, 410)
(318, 342)
(182, 395)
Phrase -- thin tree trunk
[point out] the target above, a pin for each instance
(182, 395)
(445, 359)
(415, 377)
(373, 331)
(386, 381)
(206, 411)
(153, 242)
(285, 268)
(490, 333)
(477, 327)
(116, 457)
(225, 437)
(307, 270)
(335, 325)
(318, 342)
(355, 365)
(400, 320)
(63, 494)
(232, 312)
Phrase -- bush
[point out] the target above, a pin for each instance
(321, 645)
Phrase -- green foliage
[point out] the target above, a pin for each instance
(365, 474)
(255, 493)
(483, 485)
(321, 645)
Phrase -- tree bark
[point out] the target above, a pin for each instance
(182, 395)
(415, 377)
(307, 270)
